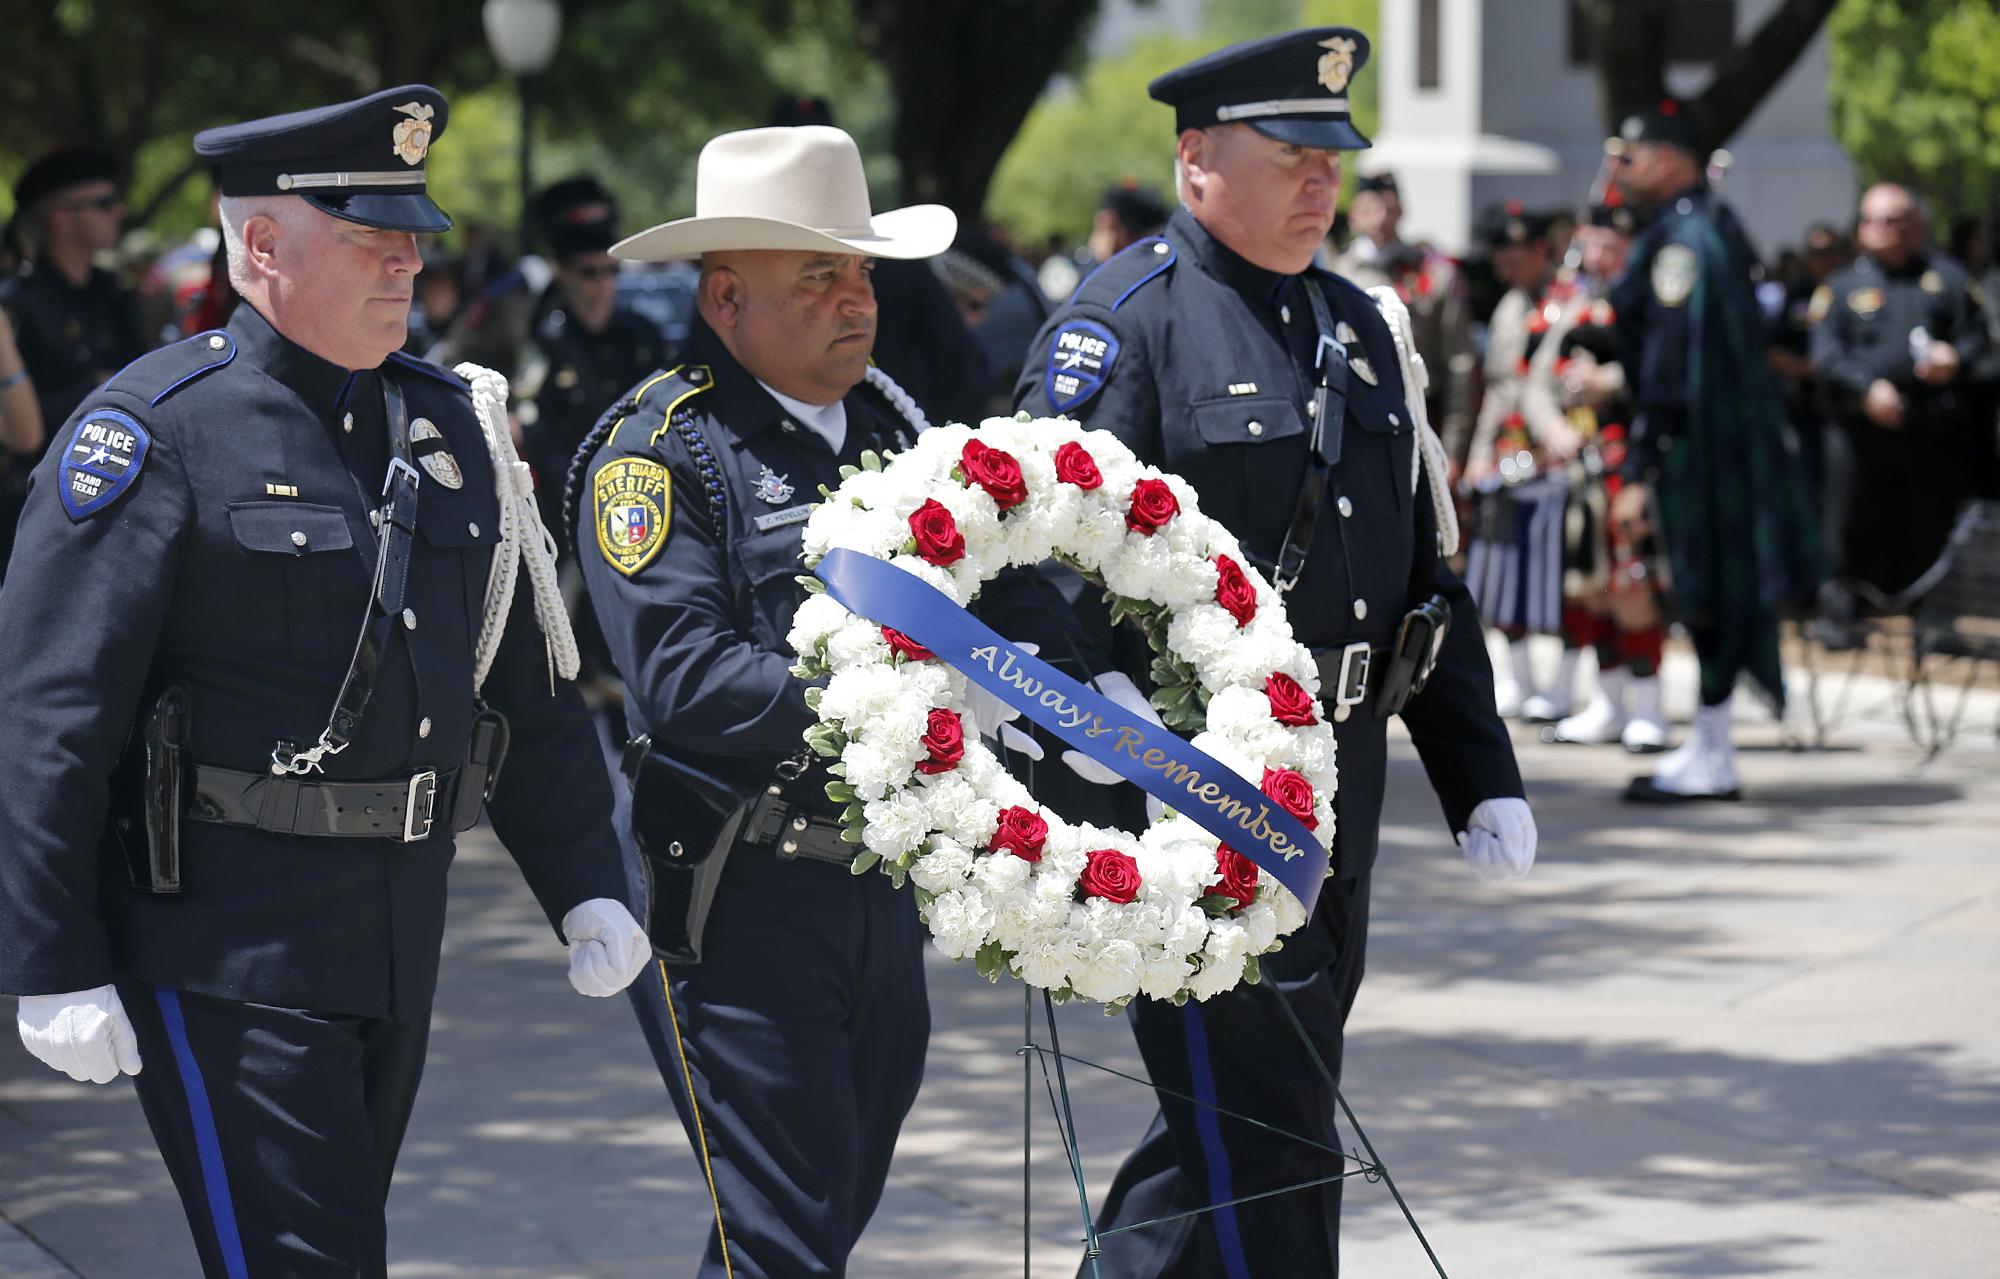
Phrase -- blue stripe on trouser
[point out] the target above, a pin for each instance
(1228, 1235)
(214, 1178)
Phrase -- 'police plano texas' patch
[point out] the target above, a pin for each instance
(1079, 361)
(100, 461)
(630, 497)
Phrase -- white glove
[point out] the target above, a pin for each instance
(1119, 687)
(990, 715)
(607, 948)
(1499, 839)
(86, 1035)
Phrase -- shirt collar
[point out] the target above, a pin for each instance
(746, 404)
(325, 386)
(828, 421)
(1223, 262)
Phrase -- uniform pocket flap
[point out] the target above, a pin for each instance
(289, 528)
(1246, 419)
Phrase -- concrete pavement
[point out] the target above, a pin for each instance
(1754, 1039)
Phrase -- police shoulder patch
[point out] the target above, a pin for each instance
(631, 500)
(1080, 358)
(100, 461)
(1674, 270)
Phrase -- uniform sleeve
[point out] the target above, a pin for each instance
(1968, 325)
(80, 617)
(1845, 375)
(1457, 732)
(702, 681)
(551, 807)
(1127, 403)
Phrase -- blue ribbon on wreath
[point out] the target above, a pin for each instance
(1154, 758)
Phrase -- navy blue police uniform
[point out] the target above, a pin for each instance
(1205, 364)
(201, 540)
(801, 1029)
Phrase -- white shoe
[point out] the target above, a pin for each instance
(1560, 698)
(1506, 698)
(1646, 730)
(1602, 719)
(1514, 687)
(1703, 767)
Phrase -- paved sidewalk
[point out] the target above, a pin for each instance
(1753, 1039)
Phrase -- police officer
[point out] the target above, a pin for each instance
(1895, 333)
(791, 1032)
(206, 874)
(1735, 530)
(1218, 352)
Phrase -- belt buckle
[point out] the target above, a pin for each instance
(1352, 687)
(423, 789)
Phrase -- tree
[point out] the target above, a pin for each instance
(1915, 89)
(1629, 43)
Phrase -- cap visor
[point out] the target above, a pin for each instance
(1306, 131)
(408, 211)
(920, 231)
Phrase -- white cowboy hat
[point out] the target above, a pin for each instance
(799, 188)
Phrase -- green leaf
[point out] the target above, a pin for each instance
(864, 862)
(813, 696)
(812, 584)
(924, 896)
(848, 472)
(840, 792)
(1253, 972)
(850, 836)
(990, 960)
(852, 813)
(1180, 999)
(897, 874)
(1024, 416)
(871, 460)
(825, 492)
(1218, 905)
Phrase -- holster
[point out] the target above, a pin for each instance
(1414, 655)
(150, 788)
(485, 752)
(684, 821)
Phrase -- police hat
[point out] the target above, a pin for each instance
(362, 160)
(1138, 208)
(1667, 124)
(58, 171)
(1612, 213)
(1513, 224)
(1291, 87)
(577, 215)
(1378, 182)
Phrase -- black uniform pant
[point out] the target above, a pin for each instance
(1239, 1051)
(280, 1128)
(792, 1052)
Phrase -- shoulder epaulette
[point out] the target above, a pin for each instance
(157, 374)
(662, 393)
(1125, 273)
(428, 369)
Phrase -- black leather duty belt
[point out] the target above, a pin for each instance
(1350, 676)
(402, 809)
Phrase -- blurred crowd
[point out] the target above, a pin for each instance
(1878, 329)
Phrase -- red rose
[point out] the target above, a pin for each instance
(1290, 704)
(1238, 876)
(1233, 590)
(1021, 833)
(996, 472)
(901, 643)
(1111, 875)
(1292, 792)
(1075, 465)
(938, 538)
(944, 738)
(1153, 504)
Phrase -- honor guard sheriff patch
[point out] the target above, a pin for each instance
(428, 446)
(100, 462)
(1079, 361)
(631, 498)
(1674, 270)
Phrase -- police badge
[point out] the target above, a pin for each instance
(1337, 64)
(772, 488)
(411, 138)
(428, 447)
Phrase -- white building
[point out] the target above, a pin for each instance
(1485, 101)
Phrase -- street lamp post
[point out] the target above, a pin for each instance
(523, 34)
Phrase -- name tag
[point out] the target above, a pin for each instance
(779, 519)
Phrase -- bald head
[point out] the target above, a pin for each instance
(1891, 226)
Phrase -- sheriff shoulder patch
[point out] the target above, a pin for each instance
(1079, 361)
(100, 461)
(630, 497)
(1674, 271)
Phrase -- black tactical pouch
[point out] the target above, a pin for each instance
(485, 752)
(149, 789)
(1419, 640)
(684, 821)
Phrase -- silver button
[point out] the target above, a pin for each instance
(409, 619)
(774, 791)
(216, 342)
(472, 529)
(347, 422)
(1360, 610)
(1255, 428)
(1346, 505)
(1394, 420)
(800, 823)
(375, 519)
(1340, 713)
(1685, 207)
(298, 537)
(791, 428)
(1312, 408)
(790, 845)
(1284, 315)
(424, 727)
(1161, 247)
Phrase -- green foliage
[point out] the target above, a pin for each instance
(1914, 90)
(1100, 128)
